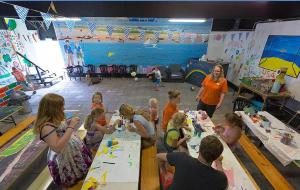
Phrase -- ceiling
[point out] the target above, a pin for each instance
(226, 15)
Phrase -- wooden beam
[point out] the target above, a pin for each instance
(264, 165)
(10, 134)
(149, 169)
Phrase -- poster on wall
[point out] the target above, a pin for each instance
(282, 51)
(140, 41)
(236, 48)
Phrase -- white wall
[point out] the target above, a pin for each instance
(49, 56)
(215, 48)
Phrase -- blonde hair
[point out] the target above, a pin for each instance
(50, 110)
(95, 94)
(178, 119)
(95, 113)
(221, 74)
(128, 111)
(153, 101)
(174, 94)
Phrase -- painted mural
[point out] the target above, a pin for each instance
(140, 41)
(282, 51)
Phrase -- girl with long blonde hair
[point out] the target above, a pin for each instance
(172, 136)
(68, 157)
(95, 131)
(140, 123)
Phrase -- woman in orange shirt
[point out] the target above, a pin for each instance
(170, 108)
(212, 92)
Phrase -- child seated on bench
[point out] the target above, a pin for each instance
(231, 130)
(172, 138)
(68, 157)
(97, 102)
(95, 131)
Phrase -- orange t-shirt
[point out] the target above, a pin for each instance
(102, 120)
(212, 90)
(19, 76)
(168, 112)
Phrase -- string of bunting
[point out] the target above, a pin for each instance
(92, 26)
(22, 12)
(126, 32)
(110, 30)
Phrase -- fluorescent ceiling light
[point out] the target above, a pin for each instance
(187, 20)
(65, 19)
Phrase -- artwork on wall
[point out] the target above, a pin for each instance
(236, 48)
(140, 41)
(282, 51)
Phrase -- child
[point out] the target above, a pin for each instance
(68, 157)
(140, 123)
(172, 137)
(157, 76)
(153, 109)
(231, 131)
(97, 102)
(95, 131)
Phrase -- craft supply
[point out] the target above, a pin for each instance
(108, 163)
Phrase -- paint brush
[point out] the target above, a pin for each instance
(108, 163)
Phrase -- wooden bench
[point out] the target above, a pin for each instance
(149, 170)
(44, 179)
(264, 165)
(10, 134)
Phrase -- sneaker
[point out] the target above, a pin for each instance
(34, 92)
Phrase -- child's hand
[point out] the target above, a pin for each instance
(218, 129)
(131, 129)
(74, 121)
(187, 137)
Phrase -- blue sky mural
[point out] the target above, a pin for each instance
(141, 41)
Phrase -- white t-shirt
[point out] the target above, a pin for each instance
(157, 74)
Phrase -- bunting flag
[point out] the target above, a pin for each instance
(240, 35)
(109, 30)
(47, 19)
(142, 35)
(126, 32)
(53, 7)
(70, 24)
(22, 12)
(92, 27)
(232, 36)
(224, 37)
(247, 35)
(156, 37)
(170, 36)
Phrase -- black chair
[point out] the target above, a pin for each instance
(123, 70)
(164, 74)
(176, 73)
(240, 103)
(103, 70)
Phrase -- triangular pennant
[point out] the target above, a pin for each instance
(247, 35)
(240, 35)
(109, 30)
(92, 27)
(232, 36)
(224, 37)
(156, 37)
(193, 37)
(47, 19)
(181, 37)
(126, 32)
(70, 24)
(22, 12)
(53, 7)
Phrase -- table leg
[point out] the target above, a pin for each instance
(264, 104)
(13, 120)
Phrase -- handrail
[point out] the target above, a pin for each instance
(30, 61)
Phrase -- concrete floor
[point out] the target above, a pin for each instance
(116, 91)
